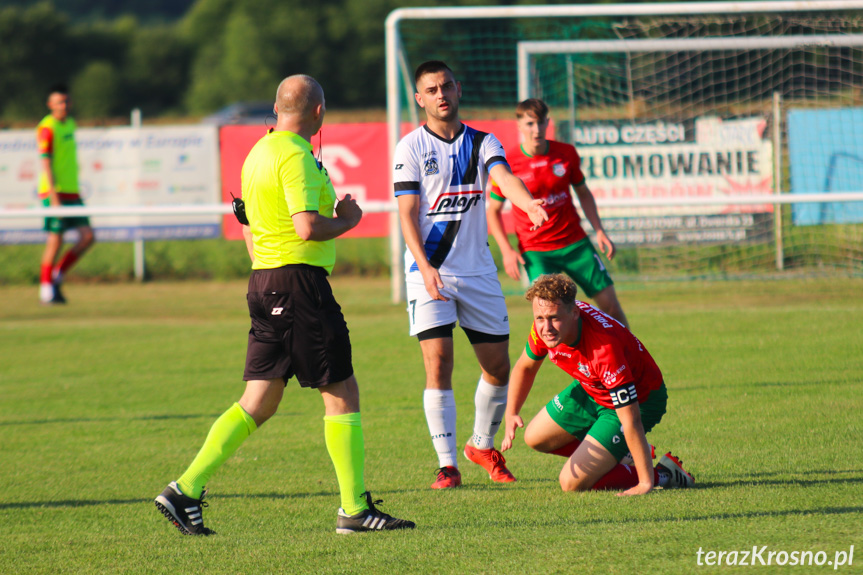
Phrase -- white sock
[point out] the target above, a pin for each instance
(490, 401)
(439, 406)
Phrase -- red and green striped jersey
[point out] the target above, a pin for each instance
(548, 177)
(608, 361)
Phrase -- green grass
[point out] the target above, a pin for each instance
(217, 259)
(104, 401)
(808, 250)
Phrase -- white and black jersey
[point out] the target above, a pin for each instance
(449, 176)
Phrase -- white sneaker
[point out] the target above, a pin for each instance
(46, 292)
(680, 478)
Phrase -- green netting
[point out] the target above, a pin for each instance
(482, 53)
(678, 87)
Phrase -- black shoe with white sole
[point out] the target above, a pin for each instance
(370, 519)
(184, 512)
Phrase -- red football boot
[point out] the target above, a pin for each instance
(447, 478)
(492, 461)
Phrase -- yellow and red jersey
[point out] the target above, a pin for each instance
(608, 361)
(548, 177)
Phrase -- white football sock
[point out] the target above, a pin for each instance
(490, 401)
(439, 406)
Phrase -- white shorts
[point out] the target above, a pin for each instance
(477, 303)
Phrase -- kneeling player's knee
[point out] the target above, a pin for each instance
(534, 440)
(570, 483)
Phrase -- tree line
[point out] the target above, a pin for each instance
(217, 53)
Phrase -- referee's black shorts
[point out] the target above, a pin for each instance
(297, 328)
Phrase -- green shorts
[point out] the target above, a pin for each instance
(60, 225)
(579, 415)
(580, 261)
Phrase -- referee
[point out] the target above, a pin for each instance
(297, 325)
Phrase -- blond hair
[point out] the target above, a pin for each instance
(553, 288)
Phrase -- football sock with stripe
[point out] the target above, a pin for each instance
(344, 437)
(226, 435)
(439, 405)
(490, 402)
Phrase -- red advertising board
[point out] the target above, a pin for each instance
(356, 157)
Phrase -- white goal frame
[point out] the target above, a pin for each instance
(529, 49)
(395, 55)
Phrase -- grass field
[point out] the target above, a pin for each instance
(104, 401)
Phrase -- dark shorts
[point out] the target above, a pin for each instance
(297, 328)
(60, 225)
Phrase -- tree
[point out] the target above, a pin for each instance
(34, 54)
(95, 90)
(156, 70)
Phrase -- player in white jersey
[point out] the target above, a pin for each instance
(439, 174)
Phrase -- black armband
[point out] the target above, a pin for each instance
(623, 395)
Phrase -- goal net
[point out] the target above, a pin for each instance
(680, 114)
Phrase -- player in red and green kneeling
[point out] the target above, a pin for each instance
(618, 395)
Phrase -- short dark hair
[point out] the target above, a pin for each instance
(430, 67)
(59, 88)
(534, 107)
(553, 287)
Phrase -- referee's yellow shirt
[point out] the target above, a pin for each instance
(280, 178)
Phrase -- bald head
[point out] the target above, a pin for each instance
(298, 95)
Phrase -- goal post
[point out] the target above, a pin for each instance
(490, 50)
(658, 55)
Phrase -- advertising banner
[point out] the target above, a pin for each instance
(710, 158)
(120, 166)
(826, 155)
(356, 157)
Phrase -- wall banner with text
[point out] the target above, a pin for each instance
(120, 166)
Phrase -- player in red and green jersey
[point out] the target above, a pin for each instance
(618, 395)
(58, 186)
(549, 169)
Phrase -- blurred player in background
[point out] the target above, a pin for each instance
(58, 186)
(297, 325)
(440, 172)
(617, 396)
(548, 169)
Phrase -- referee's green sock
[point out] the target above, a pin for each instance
(226, 435)
(344, 438)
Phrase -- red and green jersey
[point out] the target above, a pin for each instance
(612, 366)
(548, 177)
(56, 140)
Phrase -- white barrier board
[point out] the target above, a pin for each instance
(120, 166)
